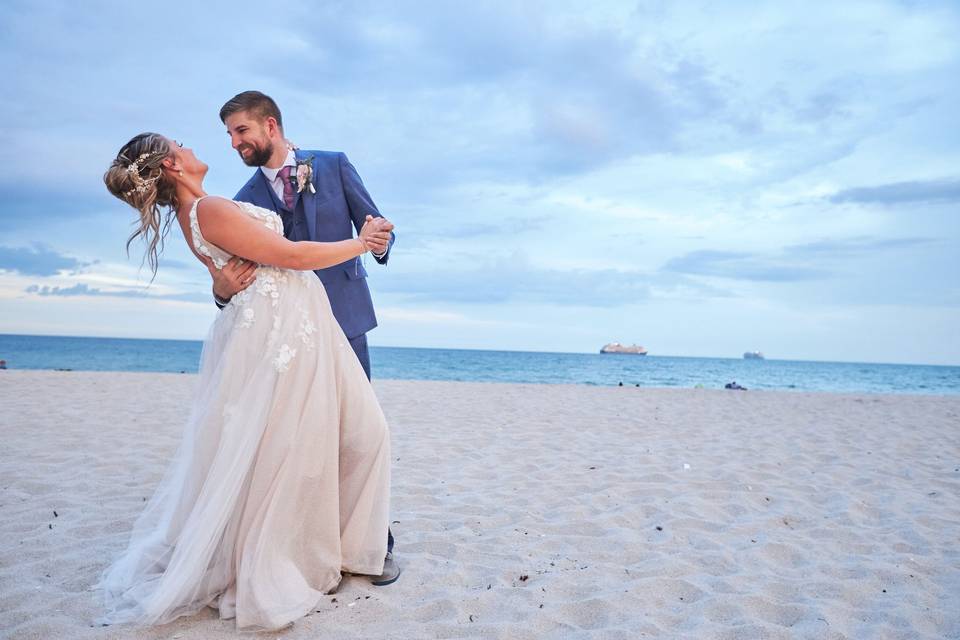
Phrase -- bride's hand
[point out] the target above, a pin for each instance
(375, 234)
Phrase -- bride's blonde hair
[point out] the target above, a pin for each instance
(137, 177)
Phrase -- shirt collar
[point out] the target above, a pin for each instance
(291, 161)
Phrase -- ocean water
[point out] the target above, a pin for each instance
(122, 354)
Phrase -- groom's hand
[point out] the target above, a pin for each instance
(379, 240)
(236, 275)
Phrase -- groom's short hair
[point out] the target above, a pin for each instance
(259, 104)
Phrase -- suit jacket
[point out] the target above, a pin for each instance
(340, 205)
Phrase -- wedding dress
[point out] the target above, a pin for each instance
(282, 480)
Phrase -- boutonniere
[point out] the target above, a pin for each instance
(305, 174)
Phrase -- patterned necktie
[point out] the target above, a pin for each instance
(288, 195)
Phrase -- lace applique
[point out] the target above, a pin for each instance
(275, 332)
(198, 241)
(270, 219)
(307, 329)
(267, 283)
(246, 318)
(242, 298)
(284, 356)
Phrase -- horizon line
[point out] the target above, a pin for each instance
(653, 355)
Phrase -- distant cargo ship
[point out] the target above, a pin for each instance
(753, 355)
(616, 347)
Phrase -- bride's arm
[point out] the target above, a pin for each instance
(225, 225)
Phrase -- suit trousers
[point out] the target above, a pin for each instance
(359, 345)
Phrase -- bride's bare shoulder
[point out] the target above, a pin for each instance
(217, 204)
(211, 209)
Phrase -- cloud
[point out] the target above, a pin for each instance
(512, 279)
(85, 290)
(853, 246)
(421, 230)
(27, 206)
(944, 190)
(790, 264)
(740, 266)
(40, 260)
(510, 92)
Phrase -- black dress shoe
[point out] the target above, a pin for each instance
(391, 571)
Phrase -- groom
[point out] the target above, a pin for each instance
(320, 197)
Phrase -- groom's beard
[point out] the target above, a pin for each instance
(258, 156)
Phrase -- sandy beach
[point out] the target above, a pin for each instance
(538, 511)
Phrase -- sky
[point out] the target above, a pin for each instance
(700, 178)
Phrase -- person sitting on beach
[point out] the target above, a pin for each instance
(282, 480)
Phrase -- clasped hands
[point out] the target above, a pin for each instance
(375, 235)
(238, 273)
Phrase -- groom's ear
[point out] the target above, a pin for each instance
(273, 128)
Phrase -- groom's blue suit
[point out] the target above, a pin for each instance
(341, 203)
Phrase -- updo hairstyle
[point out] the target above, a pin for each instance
(137, 177)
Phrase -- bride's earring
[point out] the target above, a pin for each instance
(181, 173)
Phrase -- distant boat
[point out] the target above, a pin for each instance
(753, 355)
(616, 347)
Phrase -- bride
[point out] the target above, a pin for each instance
(282, 479)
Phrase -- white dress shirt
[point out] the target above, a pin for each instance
(274, 179)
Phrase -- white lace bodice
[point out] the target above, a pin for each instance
(262, 302)
(220, 257)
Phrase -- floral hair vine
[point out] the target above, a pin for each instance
(140, 184)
